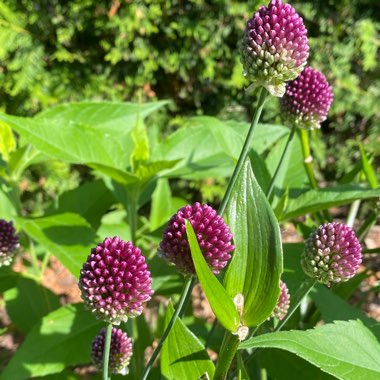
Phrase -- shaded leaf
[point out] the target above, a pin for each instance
(30, 296)
(183, 355)
(67, 236)
(62, 338)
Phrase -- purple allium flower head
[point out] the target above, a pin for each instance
(274, 48)
(307, 100)
(332, 253)
(9, 242)
(213, 235)
(283, 302)
(120, 350)
(115, 281)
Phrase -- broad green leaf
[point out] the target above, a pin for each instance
(67, 236)
(7, 141)
(115, 223)
(163, 205)
(347, 350)
(183, 355)
(8, 278)
(30, 296)
(72, 142)
(322, 199)
(206, 146)
(256, 264)
(368, 169)
(63, 338)
(23, 157)
(333, 308)
(220, 301)
(112, 117)
(293, 274)
(284, 365)
(90, 200)
(7, 209)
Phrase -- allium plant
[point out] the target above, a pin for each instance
(307, 100)
(9, 242)
(283, 302)
(213, 235)
(275, 47)
(120, 350)
(332, 253)
(115, 281)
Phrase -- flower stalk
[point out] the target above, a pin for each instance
(106, 353)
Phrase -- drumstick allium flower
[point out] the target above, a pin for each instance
(274, 48)
(120, 350)
(115, 281)
(9, 242)
(213, 235)
(332, 253)
(283, 302)
(307, 100)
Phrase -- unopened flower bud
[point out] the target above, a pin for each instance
(274, 48)
(332, 253)
(212, 233)
(115, 281)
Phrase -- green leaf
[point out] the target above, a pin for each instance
(220, 301)
(72, 142)
(78, 201)
(347, 350)
(8, 278)
(140, 153)
(368, 169)
(183, 355)
(332, 308)
(322, 199)
(112, 117)
(63, 338)
(206, 146)
(67, 236)
(30, 296)
(163, 204)
(256, 264)
(7, 141)
(284, 365)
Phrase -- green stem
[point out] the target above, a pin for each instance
(308, 158)
(366, 226)
(133, 213)
(290, 138)
(181, 305)
(353, 213)
(227, 352)
(247, 144)
(308, 163)
(106, 353)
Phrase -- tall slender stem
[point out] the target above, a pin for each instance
(181, 304)
(308, 158)
(133, 213)
(247, 144)
(290, 138)
(352, 213)
(227, 352)
(106, 352)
